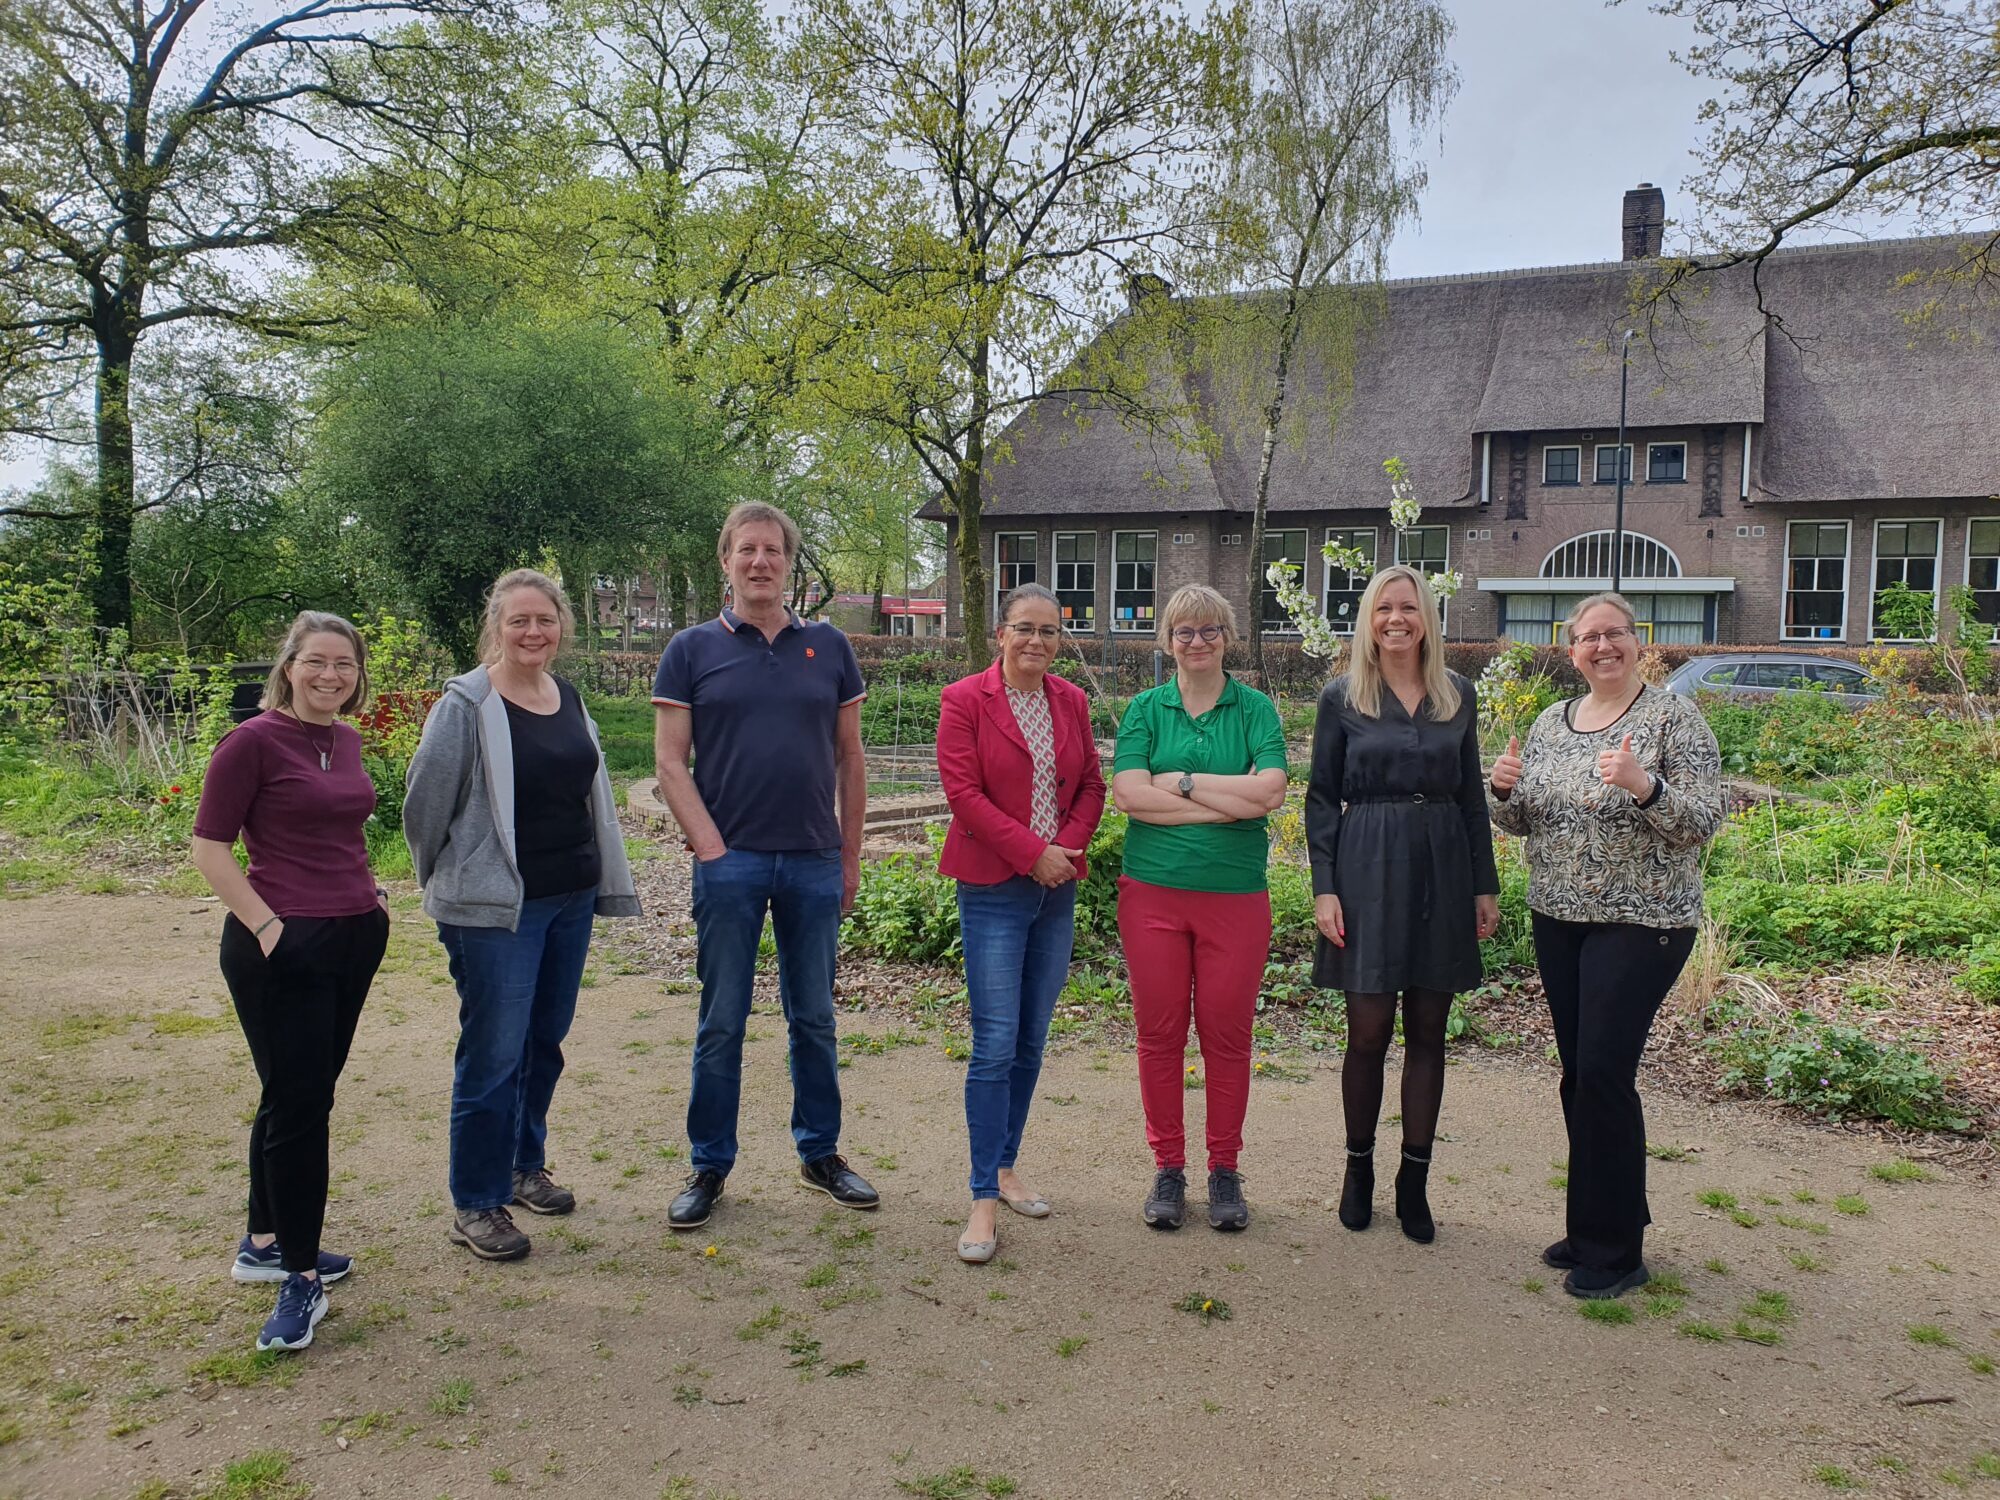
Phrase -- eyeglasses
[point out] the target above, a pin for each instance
(1187, 635)
(1023, 631)
(1612, 637)
(338, 668)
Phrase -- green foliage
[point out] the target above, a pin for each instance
(1904, 613)
(1981, 978)
(1836, 1070)
(1788, 738)
(1781, 923)
(903, 713)
(906, 910)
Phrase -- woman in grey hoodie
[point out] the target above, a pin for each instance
(514, 831)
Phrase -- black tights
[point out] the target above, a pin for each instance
(1371, 1025)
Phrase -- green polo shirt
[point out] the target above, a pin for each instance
(1241, 734)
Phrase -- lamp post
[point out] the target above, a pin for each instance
(1622, 464)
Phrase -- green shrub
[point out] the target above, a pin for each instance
(1981, 978)
(1839, 1071)
(906, 910)
(900, 716)
(1791, 924)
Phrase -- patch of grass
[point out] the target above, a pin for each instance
(824, 1274)
(261, 1476)
(767, 1321)
(1715, 1265)
(1668, 1283)
(1930, 1336)
(952, 1484)
(1744, 1219)
(1852, 1204)
(1667, 1153)
(1979, 1364)
(1987, 1466)
(847, 1367)
(1201, 1305)
(247, 1367)
(81, 1031)
(1716, 1198)
(1605, 1310)
(1804, 1226)
(1750, 1333)
(1899, 1170)
(186, 1023)
(1804, 1195)
(1769, 1307)
(1835, 1478)
(1694, 1328)
(1070, 1347)
(804, 1350)
(1804, 1260)
(453, 1398)
(1533, 1286)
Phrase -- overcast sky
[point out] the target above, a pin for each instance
(1562, 106)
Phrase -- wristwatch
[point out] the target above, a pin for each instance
(1187, 783)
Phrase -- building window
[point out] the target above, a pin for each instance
(1013, 563)
(1428, 550)
(1280, 546)
(1816, 581)
(1133, 556)
(1076, 579)
(1589, 556)
(1666, 463)
(1662, 619)
(1906, 552)
(1982, 571)
(1607, 463)
(1343, 589)
(1562, 465)
(901, 625)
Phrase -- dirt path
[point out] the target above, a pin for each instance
(620, 1360)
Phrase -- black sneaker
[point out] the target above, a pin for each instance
(539, 1193)
(1226, 1208)
(1559, 1256)
(840, 1182)
(1166, 1205)
(696, 1202)
(1602, 1286)
(489, 1233)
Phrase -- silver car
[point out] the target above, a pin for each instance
(1765, 674)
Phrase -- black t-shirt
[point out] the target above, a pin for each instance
(555, 764)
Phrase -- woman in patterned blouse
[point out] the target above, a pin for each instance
(1617, 791)
(1020, 771)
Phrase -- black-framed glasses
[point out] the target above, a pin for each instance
(1616, 635)
(1023, 631)
(1187, 635)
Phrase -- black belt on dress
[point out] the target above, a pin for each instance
(1415, 797)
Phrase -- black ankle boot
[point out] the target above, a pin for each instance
(1357, 1188)
(1412, 1207)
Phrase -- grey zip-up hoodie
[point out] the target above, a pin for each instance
(458, 814)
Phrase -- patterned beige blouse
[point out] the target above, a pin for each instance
(1596, 855)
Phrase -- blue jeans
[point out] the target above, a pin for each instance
(1017, 937)
(516, 999)
(801, 891)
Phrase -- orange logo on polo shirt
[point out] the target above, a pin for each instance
(809, 651)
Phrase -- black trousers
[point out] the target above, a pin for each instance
(1605, 982)
(298, 1009)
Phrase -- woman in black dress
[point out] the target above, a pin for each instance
(1404, 887)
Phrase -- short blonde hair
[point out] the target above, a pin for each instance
(311, 622)
(1590, 601)
(749, 512)
(1197, 602)
(496, 600)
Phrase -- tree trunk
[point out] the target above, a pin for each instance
(881, 619)
(1274, 412)
(111, 587)
(966, 503)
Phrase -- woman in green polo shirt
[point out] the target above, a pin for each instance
(1200, 762)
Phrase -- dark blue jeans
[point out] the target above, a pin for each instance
(516, 999)
(1017, 937)
(801, 891)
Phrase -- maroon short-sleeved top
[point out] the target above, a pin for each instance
(303, 825)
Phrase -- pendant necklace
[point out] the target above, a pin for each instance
(325, 755)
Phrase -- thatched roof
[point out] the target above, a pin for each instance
(1853, 400)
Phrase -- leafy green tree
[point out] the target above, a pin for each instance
(146, 155)
(473, 447)
(1011, 171)
(1319, 181)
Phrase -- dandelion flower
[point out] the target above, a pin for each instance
(712, 1251)
(1208, 1305)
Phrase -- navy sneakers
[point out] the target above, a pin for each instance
(301, 1304)
(267, 1264)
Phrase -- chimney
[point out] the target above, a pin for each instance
(1645, 221)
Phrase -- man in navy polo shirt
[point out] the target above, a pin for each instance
(770, 707)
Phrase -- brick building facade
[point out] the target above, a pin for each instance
(1787, 460)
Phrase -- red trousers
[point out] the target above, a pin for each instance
(1205, 952)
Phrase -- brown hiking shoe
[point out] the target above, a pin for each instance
(489, 1233)
(537, 1192)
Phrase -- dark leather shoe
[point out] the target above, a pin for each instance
(840, 1182)
(1559, 1256)
(696, 1202)
(1602, 1286)
(1357, 1191)
(1413, 1207)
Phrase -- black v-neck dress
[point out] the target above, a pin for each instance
(1396, 822)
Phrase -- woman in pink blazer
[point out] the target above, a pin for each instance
(1020, 771)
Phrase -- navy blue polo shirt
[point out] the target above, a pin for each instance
(765, 714)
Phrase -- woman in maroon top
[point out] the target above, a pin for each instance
(305, 933)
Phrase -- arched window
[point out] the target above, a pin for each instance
(1589, 556)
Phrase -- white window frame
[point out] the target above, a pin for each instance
(902, 625)
(998, 537)
(1649, 463)
(1785, 632)
(1374, 536)
(1113, 624)
(1444, 605)
(1597, 467)
(1563, 484)
(1965, 575)
(1305, 576)
(1937, 574)
(1055, 576)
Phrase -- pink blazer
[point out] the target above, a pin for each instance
(988, 778)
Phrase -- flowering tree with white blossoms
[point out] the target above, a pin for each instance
(1316, 633)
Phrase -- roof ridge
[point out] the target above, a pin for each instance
(1840, 247)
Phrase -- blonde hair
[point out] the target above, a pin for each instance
(496, 602)
(749, 512)
(1590, 601)
(1196, 601)
(312, 622)
(1364, 666)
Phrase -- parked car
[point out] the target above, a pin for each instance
(1766, 674)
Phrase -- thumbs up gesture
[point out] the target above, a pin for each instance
(1621, 768)
(1506, 773)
